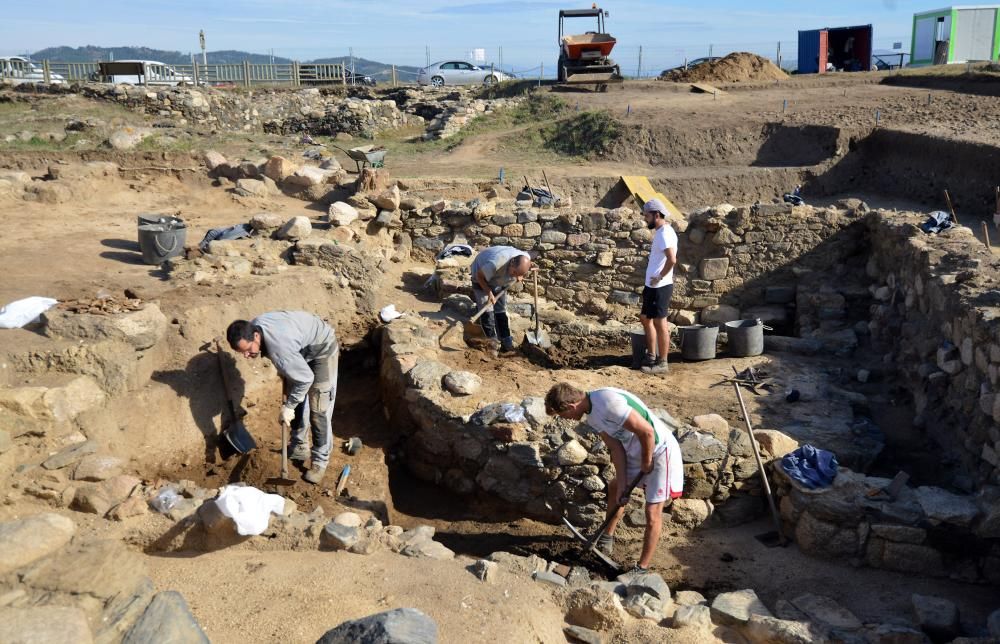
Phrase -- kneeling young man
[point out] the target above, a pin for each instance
(638, 442)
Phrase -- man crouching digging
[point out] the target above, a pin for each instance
(305, 352)
(638, 442)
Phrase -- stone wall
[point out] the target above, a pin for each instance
(925, 530)
(541, 466)
(594, 259)
(937, 317)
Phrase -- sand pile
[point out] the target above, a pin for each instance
(735, 68)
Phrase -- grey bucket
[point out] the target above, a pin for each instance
(147, 219)
(746, 338)
(698, 341)
(161, 241)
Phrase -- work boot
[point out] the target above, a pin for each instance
(658, 367)
(299, 454)
(648, 360)
(507, 345)
(606, 544)
(315, 474)
(637, 570)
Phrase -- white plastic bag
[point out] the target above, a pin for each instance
(389, 313)
(21, 312)
(249, 508)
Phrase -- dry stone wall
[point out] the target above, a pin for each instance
(936, 312)
(730, 259)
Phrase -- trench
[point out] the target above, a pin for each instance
(883, 166)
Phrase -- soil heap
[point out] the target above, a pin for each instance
(737, 67)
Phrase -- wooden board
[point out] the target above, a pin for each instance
(705, 88)
(640, 188)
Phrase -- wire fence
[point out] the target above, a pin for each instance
(522, 59)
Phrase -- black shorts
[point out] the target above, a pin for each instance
(656, 301)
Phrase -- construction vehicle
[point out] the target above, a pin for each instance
(583, 58)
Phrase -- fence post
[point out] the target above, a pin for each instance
(246, 73)
(145, 74)
(394, 75)
(541, 70)
(47, 71)
(295, 74)
(194, 71)
(710, 51)
(343, 74)
(778, 57)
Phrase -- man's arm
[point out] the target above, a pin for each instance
(671, 261)
(484, 285)
(644, 432)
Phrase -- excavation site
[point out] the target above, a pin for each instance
(832, 382)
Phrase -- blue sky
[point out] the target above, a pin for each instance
(398, 31)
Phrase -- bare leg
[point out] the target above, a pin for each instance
(662, 335)
(614, 493)
(650, 331)
(650, 539)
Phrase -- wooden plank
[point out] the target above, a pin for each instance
(706, 88)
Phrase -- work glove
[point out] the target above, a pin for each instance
(287, 415)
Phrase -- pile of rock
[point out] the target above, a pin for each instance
(60, 587)
(358, 117)
(60, 184)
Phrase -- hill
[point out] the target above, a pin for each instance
(91, 53)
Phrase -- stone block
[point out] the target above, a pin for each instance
(571, 453)
(714, 268)
(295, 228)
(24, 541)
(38, 624)
(942, 506)
(775, 443)
(827, 612)
(696, 616)
(936, 616)
(735, 608)
(717, 314)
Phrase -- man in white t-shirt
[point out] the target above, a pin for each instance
(638, 441)
(659, 286)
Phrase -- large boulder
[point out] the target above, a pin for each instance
(309, 176)
(735, 608)
(387, 199)
(342, 214)
(24, 541)
(279, 168)
(295, 228)
(128, 137)
(166, 619)
(252, 188)
(139, 329)
(398, 626)
(38, 624)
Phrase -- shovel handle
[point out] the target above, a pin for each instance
(284, 450)
(486, 307)
(622, 502)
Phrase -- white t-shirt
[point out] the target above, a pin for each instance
(664, 237)
(610, 408)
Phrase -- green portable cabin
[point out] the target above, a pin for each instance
(956, 35)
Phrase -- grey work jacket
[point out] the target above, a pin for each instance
(292, 340)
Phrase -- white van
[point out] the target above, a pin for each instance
(157, 73)
(17, 70)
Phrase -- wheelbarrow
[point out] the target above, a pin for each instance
(365, 156)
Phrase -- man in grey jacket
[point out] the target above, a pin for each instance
(305, 352)
(493, 269)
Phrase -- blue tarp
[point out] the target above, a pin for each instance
(812, 467)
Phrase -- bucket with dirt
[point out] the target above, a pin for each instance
(698, 341)
(745, 338)
(162, 240)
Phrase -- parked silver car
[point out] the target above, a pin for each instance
(457, 72)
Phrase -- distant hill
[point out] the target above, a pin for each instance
(92, 53)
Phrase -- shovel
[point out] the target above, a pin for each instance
(538, 338)
(592, 541)
(283, 480)
(776, 537)
(237, 436)
(471, 322)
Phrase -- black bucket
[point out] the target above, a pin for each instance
(161, 241)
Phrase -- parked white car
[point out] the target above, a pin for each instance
(17, 70)
(157, 73)
(458, 72)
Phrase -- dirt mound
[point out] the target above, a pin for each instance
(735, 68)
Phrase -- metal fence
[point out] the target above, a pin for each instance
(246, 73)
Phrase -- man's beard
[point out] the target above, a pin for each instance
(651, 225)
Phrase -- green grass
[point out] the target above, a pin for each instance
(589, 134)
